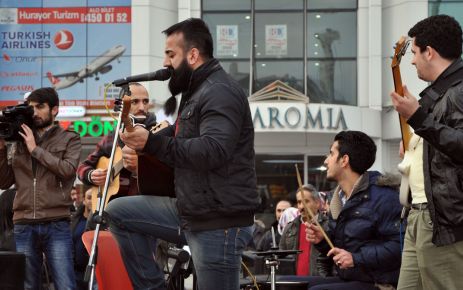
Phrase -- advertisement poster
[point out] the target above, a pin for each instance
(227, 40)
(276, 40)
(75, 46)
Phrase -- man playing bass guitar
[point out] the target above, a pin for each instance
(433, 247)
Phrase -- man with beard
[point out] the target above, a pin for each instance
(43, 169)
(88, 172)
(211, 148)
(364, 219)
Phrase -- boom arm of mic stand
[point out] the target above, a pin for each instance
(90, 270)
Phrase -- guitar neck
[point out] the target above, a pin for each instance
(125, 114)
(404, 128)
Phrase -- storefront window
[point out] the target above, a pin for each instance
(231, 34)
(278, 35)
(271, 40)
(214, 5)
(328, 36)
(277, 180)
(279, 5)
(239, 70)
(449, 7)
(331, 4)
(332, 81)
(287, 71)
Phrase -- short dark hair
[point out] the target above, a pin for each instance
(441, 32)
(360, 148)
(195, 34)
(44, 95)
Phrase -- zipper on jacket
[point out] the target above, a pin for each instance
(35, 197)
(62, 192)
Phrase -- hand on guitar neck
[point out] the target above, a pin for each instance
(407, 105)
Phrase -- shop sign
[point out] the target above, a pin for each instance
(95, 128)
(299, 117)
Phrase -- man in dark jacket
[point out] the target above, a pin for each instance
(211, 148)
(364, 219)
(43, 169)
(433, 248)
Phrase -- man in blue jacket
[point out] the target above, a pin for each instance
(364, 219)
(211, 148)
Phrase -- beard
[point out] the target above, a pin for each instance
(180, 79)
(40, 123)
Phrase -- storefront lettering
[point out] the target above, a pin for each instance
(293, 117)
(94, 128)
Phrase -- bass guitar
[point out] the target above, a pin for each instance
(400, 49)
(404, 167)
(154, 176)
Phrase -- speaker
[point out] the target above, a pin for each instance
(12, 270)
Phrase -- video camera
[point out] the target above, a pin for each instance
(11, 120)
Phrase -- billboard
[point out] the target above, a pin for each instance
(75, 46)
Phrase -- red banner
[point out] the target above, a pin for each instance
(91, 15)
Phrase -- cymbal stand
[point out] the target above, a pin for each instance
(90, 270)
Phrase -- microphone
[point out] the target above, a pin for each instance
(159, 75)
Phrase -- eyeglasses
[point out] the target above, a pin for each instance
(136, 101)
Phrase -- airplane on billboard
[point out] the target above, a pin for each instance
(98, 65)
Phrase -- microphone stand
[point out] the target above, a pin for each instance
(90, 270)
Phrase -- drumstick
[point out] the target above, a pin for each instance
(308, 211)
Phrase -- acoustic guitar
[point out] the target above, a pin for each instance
(154, 176)
(409, 153)
(114, 184)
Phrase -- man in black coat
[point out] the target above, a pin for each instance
(211, 148)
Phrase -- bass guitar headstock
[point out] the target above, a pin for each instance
(400, 49)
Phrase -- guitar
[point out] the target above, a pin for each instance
(114, 184)
(154, 177)
(404, 167)
(400, 49)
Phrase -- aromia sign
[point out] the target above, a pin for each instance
(287, 116)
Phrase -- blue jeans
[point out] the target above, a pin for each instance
(54, 240)
(136, 221)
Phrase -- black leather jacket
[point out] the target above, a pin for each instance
(439, 121)
(212, 152)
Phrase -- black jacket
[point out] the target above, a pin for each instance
(439, 120)
(212, 152)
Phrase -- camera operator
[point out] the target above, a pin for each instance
(43, 168)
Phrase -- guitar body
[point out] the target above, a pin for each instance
(114, 184)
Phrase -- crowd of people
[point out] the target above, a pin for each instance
(363, 237)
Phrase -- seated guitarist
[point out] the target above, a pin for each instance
(88, 172)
